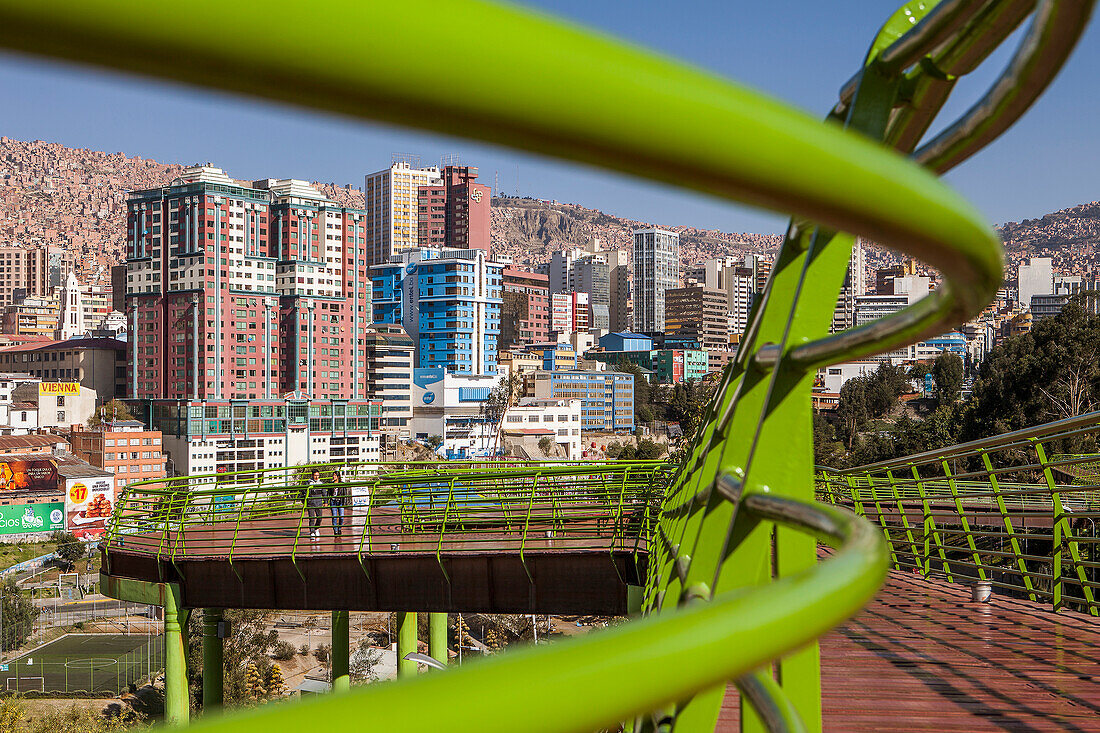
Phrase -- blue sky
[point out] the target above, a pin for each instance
(800, 52)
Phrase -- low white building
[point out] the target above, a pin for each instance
(534, 419)
(450, 406)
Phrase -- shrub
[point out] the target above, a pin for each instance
(321, 653)
(303, 649)
(283, 651)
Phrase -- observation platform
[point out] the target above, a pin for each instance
(491, 539)
(923, 657)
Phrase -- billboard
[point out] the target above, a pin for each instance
(36, 474)
(59, 389)
(88, 504)
(27, 518)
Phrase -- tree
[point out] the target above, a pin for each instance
(17, 617)
(364, 659)
(69, 548)
(851, 409)
(947, 373)
(1031, 378)
(642, 397)
(828, 451)
(254, 683)
(248, 644)
(275, 684)
(688, 404)
(434, 441)
(546, 444)
(110, 412)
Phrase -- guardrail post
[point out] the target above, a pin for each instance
(176, 702)
(212, 660)
(437, 637)
(921, 565)
(406, 643)
(1062, 529)
(963, 521)
(341, 676)
(930, 530)
(1014, 541)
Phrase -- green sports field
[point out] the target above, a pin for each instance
(85, 663)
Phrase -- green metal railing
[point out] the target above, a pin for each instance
(499, 506)
(735, 584)
(1018, 511)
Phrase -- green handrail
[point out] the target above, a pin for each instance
(1002, 515)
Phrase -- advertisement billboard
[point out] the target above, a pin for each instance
(88, 504)
(28, 518)
(59, 389)
(36, 474)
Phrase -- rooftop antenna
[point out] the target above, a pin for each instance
(449, 159)
(410, 159)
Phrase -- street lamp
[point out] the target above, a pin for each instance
(424, 659)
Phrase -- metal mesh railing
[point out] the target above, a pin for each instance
(1018, 511)
(393, 508)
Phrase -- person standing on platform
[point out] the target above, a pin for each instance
(316, 494)
(340, 495)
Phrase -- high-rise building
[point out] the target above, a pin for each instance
(656, 269)
(245, 291)
(455, 212)
(389, 372)
(525, 311)
(589, 270)
(1034, 278)
(392, 202)
(844, 314)
(620, 312)
(31, 272)
(569, 314)
(698, 313)
(449, 302)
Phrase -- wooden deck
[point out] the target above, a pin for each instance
(923, 657)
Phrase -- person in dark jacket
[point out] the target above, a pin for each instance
(316, 495)
(340, 497)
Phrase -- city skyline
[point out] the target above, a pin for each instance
(180, 125)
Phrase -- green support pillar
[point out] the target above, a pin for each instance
(406, 643)
(341, 678)
(437, 637)
(212, 661)
(176, 703)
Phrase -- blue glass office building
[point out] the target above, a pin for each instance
(449, 301)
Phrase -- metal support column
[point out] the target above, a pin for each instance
(212, 660)
(341, 677)
(437, 637)
(406, 643)
(176, 703)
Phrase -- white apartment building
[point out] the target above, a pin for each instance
(534, 419)
(656, 269)
(391, 197)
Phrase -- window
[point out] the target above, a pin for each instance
(60, 415)
(60, 401)
(110, 442)
(23, 416)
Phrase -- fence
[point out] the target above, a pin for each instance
(409, 507)
(85, 664)
(1017, 511)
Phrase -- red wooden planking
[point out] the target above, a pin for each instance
(923, 657)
